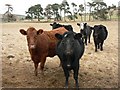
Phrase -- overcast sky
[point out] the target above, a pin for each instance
(20, 6)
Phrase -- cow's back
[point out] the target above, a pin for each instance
(68, 27)
(104, 32)
(52, 40)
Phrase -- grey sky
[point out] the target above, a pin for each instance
(20, 6)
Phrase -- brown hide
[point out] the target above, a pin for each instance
(45, 44)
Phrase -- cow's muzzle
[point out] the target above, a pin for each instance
(32, 46)
(68, 65)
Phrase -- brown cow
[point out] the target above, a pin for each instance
(41, 44)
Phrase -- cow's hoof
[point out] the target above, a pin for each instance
(36, 73)
(95, 50)
(41, 72)
(66, 87)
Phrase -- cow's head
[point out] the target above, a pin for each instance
(56, 25)
(31, 35)
(83, 28)
(82, 25)
(68, 43)
(96, 31)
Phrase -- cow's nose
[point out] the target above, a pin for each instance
(68, 52)
(68, 65)
(32, 46)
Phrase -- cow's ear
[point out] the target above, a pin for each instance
(58, 36)
(55, 23)
(78, 24)
(85, 24)
(40, 31)
(51, 24)
(95, 26)
(81, 30)
(78, 36)
(23, 32)
(92, 28)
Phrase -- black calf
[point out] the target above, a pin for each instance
(86, 31)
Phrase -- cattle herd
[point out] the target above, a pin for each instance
(64, 42)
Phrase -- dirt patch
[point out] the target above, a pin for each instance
(97, 70)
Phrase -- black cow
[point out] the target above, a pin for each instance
(86, 31)
(57, 25)
(100, 33)
(70, 49)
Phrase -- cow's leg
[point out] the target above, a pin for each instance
(76, 77)
(43, 59)
(98, 45)
(36, 68)
(86, 40)
(66, 72)
(95, 46)
(89, 39)
(101, 46)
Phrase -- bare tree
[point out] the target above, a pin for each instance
(10, 9)
(8, 16)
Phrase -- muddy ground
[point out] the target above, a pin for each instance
(97, 70)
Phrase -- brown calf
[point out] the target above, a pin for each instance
(41, 44)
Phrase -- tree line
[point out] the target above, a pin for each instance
(98, 10)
